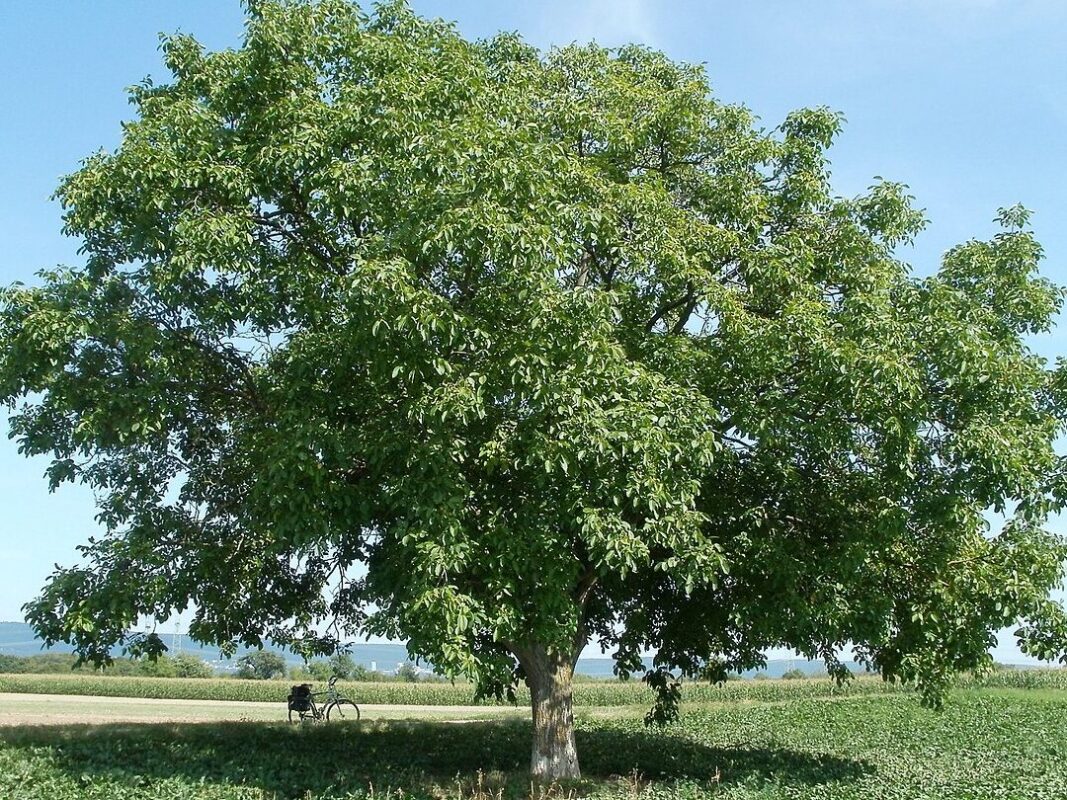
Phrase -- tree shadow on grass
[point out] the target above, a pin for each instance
(431, 759)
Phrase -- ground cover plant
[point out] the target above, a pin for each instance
(499, 353)
(984, 744)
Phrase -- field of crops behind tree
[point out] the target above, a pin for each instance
(592, 693)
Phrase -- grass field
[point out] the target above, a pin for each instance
(986, 743)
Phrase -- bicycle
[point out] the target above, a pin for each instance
(303, 708)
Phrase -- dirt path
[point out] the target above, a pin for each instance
(64, 709)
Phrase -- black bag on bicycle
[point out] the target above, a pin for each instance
(300, 697)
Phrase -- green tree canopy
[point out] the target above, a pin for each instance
(262, 665)
(187, 665)
(502, 352)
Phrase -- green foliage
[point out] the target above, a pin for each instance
(557, 346)
(262, 665)
(157, 668)
(182, 665)
(340, 664)
(318, 670)
(190, 666)
(346, 668)
(983, 745)
(794, 674)
(43, 663)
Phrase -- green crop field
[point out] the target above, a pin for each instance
(593, 693)
(600, 693)
(986, 743)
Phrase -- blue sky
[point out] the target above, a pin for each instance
(964, 100)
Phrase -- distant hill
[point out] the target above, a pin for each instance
(18, 639)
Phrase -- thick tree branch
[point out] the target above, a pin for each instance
(665, 309)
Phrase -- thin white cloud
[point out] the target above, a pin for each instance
(608, 22)
(1016, 7)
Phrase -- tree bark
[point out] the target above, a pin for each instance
(549, 675)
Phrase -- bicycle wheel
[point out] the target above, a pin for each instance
(344, 710)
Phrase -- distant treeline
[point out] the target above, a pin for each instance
(177, 666)
(263, 665)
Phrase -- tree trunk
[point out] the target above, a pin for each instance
(549, 676)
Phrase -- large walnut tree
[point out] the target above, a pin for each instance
(502, 352)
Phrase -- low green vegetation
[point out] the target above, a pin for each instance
(985, 743)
